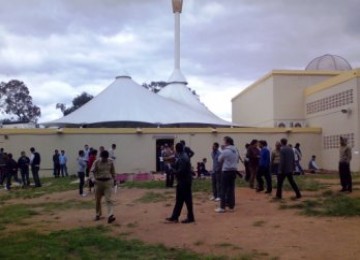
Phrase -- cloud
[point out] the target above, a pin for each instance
(62, 48)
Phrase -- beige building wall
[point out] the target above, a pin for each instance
(289, 95)
(255, 105)
(137, 152)
(335, 123)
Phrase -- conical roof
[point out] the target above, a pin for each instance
(127, 104)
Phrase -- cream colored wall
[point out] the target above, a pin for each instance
(289, 95)
(255, 106)
(334, 122)
(136, 152)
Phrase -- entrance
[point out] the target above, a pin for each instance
(159, 144)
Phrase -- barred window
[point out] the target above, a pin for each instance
(333, 141)
(334, 101)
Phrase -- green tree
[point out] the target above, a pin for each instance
(156, 86)
(15, 100)
(77, 102)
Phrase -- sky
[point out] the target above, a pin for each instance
(61, 48)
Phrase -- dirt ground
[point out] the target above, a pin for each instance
(257, 227)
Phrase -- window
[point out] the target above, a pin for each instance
(334, 101)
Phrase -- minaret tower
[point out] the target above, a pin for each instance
(177, 76)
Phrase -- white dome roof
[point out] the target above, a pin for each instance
(329, 62)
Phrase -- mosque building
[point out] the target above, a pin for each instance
(326, 95)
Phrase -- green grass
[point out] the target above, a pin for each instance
(15, 214)
(153, 197)
(49, 185)
(329, 204)
(85, 243)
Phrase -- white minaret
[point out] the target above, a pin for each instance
(177, 76)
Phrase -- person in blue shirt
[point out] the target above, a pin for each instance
(264, 168)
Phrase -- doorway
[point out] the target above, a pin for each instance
(159, 144)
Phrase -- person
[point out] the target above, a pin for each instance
(2, 166)
(344, 165)
(10, 170)
(216, 172)
(229, 158)
(103, 176)
(246, 163)
(161, 159)
(253, 154)
(187, 150)
(313, 167)
(63, 161)
(286, 169)
(86, 151)
(298, 155)
(275, 159)
(35, 161)
(56, 164)
(92, 158)
(264, 168)
(182, 170)
(81, 172)
(23, 165)
(201, 168)
(112, 152)
(169, 158)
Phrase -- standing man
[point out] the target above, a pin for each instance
(264, 168)
(182, 170)
(229, 158)
(81, 172)
(187, 149)
(344, 165)
(298, 157)
(35, 161)
(86, 151)
(275, 159)
(56, 163)
(2, 166)
(63, 161)
(169, 158)
(216, 172)
(112, 152)
(103, 175)
(23, 164)
(286, 169)
(253, 154)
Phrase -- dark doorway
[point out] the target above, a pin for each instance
(159, 143)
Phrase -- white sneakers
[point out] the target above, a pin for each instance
(212, 198)
(220, 210)
(217, 199)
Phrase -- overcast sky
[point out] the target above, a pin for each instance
(61, 48)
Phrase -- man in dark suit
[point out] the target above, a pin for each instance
(35, 166)
(182, 170)
(286, 169)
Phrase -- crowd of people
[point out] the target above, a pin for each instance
(260, 165)
(10, 168)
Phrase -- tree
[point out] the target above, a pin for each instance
(77, 102)
(15, 100)
(156, 86)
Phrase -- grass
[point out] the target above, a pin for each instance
(49, 185)
(329, 204)
(85, 243)
(153, 197)
(15, 214)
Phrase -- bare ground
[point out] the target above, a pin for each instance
(257, 227)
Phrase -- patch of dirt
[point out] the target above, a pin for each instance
(257, 227)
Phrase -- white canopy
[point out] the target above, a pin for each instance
(125, 103)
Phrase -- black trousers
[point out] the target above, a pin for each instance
(216, 181)
(281, 177)
(35, 174)
(56, 170)
(82, 182)
(25, 176)
(183, 195)
(227, 189)
(345, 176)
(264, 172)
(169, 177)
